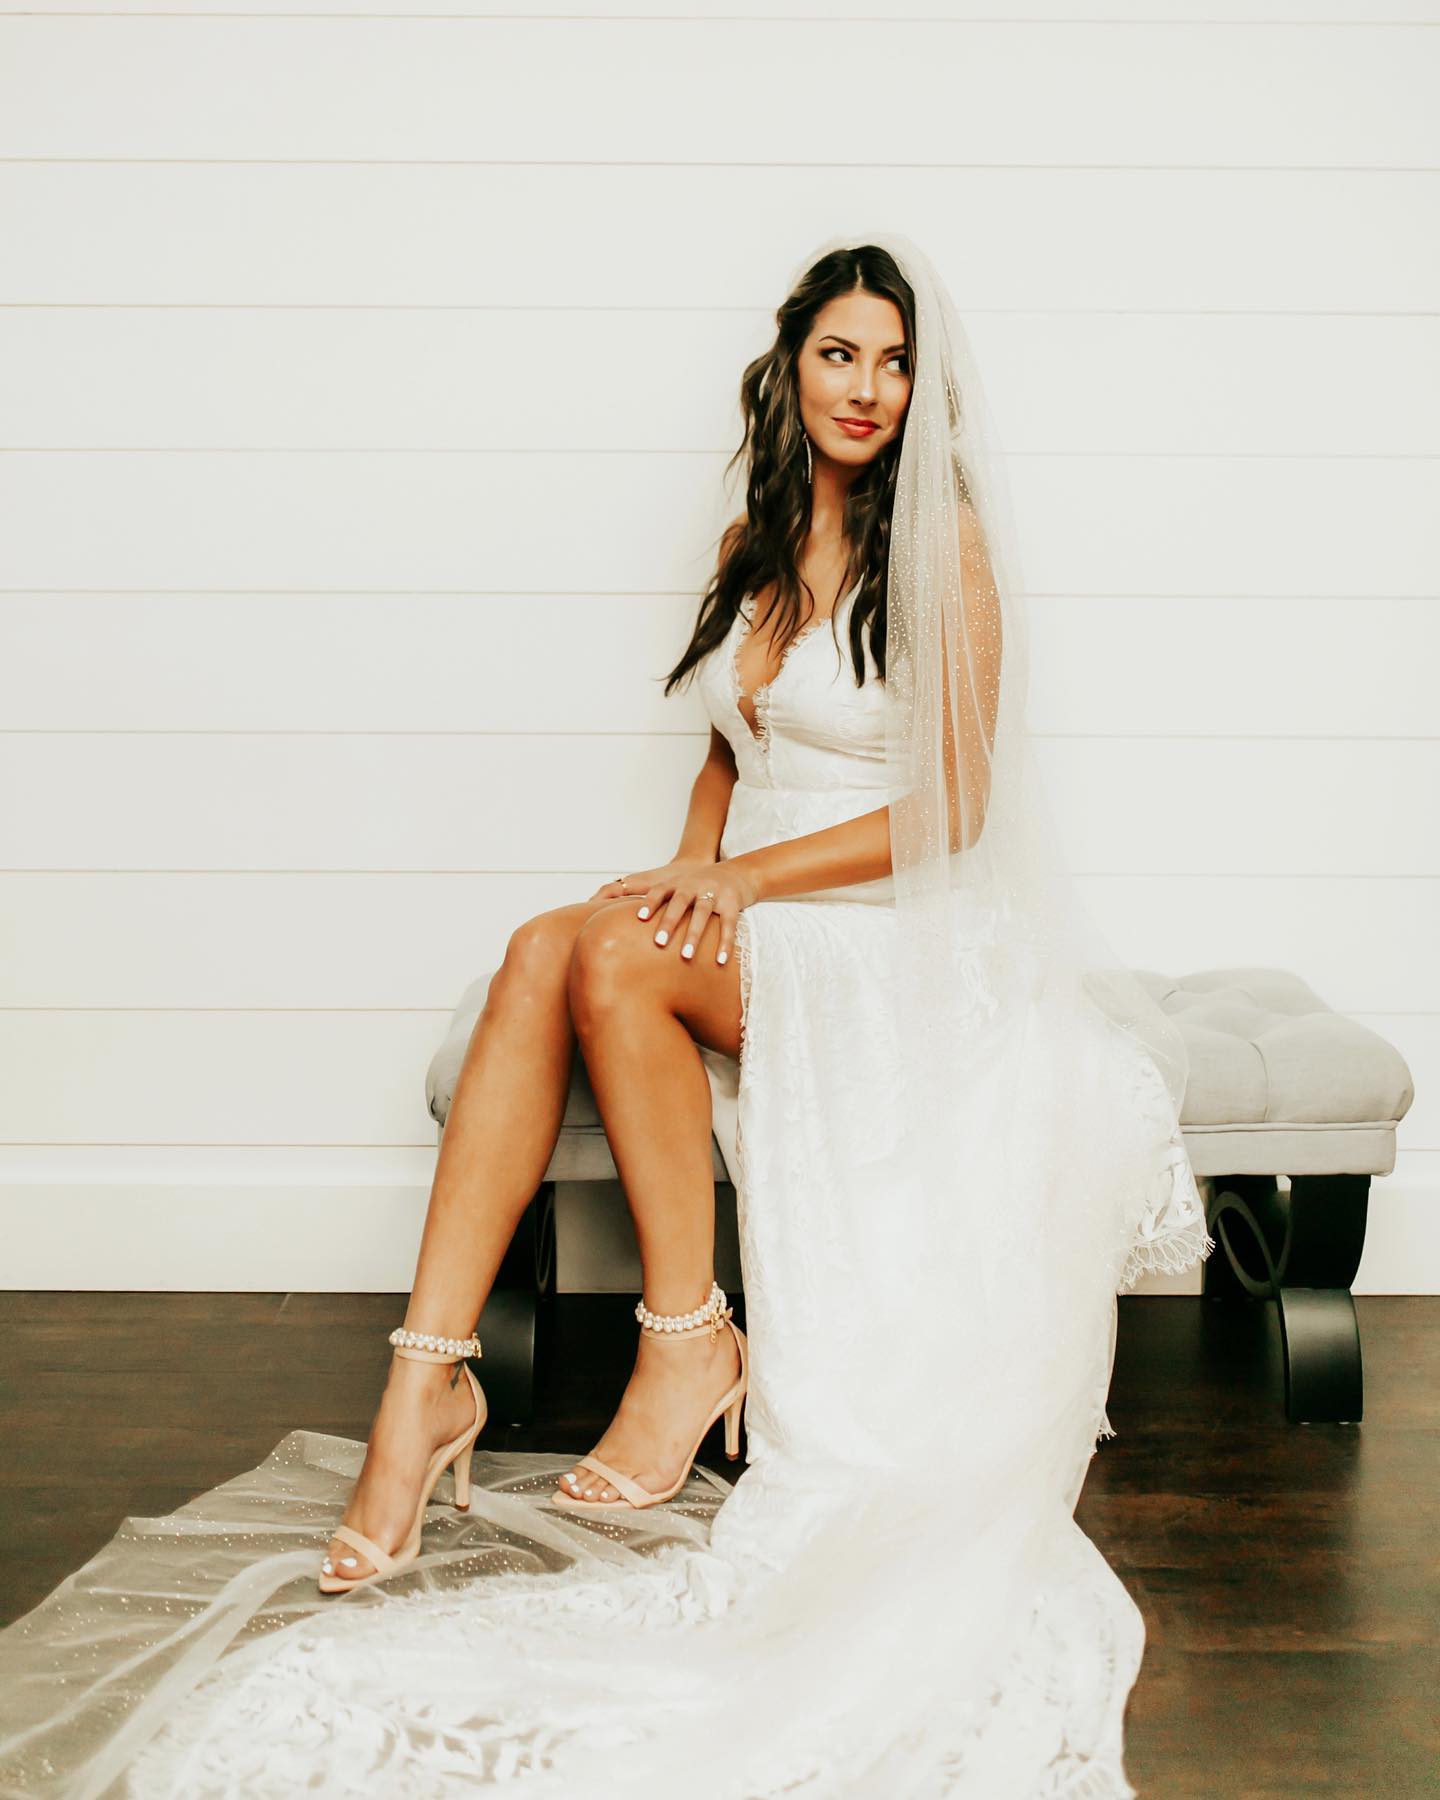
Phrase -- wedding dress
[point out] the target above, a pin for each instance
(892, 1603)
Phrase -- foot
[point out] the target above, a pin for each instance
(675, 1384)
(424, 1405)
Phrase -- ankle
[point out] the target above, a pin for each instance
(423, 1380)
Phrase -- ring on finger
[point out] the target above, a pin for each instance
(688, 950)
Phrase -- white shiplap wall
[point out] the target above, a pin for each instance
(365, 385)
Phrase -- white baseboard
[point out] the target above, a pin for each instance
(362, 1237)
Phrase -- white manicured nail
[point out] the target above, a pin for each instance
(688, 950)
(724, 956)
(644, 912)
(662, 937)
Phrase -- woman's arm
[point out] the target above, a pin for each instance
(857, 850)
(709, 802)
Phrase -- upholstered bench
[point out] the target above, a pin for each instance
(1280, 1087)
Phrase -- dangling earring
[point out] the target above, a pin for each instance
(809, 460)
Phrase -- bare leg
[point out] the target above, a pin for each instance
(499, 1136)
(640, 1011)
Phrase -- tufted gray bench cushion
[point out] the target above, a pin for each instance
(1279, 1083)
(1280, 1087)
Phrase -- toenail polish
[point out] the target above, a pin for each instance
(327, 1567)
(349, 1562)
(589, 1492)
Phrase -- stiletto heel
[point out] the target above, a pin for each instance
(709, 1317)
(732, 1428)
(456, 1453)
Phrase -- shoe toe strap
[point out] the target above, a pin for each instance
(357, 1540)
(632, 1490)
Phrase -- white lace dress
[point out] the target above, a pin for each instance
(894, 1598)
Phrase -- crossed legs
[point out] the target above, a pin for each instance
(591, 970)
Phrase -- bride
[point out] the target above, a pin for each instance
(956, 1137)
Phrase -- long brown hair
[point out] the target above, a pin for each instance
(765, 545)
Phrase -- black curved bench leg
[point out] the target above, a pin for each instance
(1323, 1381)
(517, 1313)
(1301, 1250)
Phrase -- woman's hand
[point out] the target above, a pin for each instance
(680, 884)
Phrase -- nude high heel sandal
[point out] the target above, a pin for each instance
(709, 1317)
(419, 1349)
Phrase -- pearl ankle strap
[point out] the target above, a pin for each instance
(711, 1316)
(420, 1347)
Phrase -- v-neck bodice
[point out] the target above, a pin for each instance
(817, 727)
(819, 756)
(743, 630)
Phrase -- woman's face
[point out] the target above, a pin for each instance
(854, 366)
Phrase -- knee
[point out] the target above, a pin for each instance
(604, 966)
(535, 956)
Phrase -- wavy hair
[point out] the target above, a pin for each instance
(765, 545)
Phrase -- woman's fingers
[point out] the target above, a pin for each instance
(668, 922)
(699, 918)
(670, 913)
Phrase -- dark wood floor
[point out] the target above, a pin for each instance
(1288, 1574)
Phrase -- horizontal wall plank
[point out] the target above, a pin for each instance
(324, 1078)
(1182, 14)
(437, 87)
(222, 1077)
(416, 941)
(344, 802)
(348, 662)
(572, 521)
(388, 235)
(1207, 666)
(565, 520)
(295, 378)
(1160, 806)
(314, 941)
